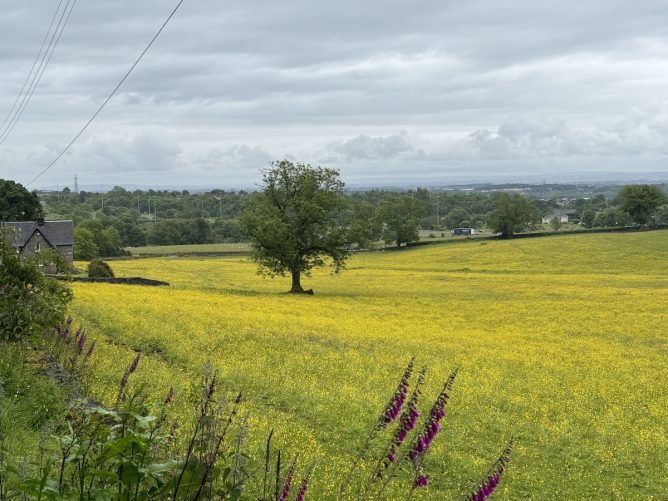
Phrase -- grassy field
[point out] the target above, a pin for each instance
(166, 250)
(561, 342)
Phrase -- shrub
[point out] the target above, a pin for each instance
(29, 301)
(99, 269)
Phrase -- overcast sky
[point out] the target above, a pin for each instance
(414, 91)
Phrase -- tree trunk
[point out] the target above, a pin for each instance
(296, 282)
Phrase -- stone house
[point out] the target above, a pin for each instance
(32, 237)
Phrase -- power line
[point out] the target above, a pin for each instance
(46, 37)
(37, 77)
(90, 120)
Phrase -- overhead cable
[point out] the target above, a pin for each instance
(127, 74)
(46, 37)
(41, 68)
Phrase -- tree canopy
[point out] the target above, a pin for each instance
(400, 216)
(85, 247)
(295, 223)
(17, 203)
(640, 201)
(511, 214)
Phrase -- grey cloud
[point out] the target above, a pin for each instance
(239, 157)
(394, 147)
(522, 139)
(339, 79)
(142, 153)
(519, 144)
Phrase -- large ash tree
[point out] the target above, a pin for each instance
(295, 223)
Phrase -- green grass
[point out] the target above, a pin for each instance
(30, 404)
(166, 250)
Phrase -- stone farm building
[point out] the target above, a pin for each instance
(31, 237)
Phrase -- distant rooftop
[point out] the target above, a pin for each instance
(56, 232)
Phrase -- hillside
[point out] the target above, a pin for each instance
(560, 342)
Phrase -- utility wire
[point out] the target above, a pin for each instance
(37, 77)
(46, 37)
(90, 120)
(41, 69)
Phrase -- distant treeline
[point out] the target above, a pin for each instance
(106, 223)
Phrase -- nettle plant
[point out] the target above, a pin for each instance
(132, 452)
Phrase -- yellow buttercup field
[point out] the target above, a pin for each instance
(561, 342)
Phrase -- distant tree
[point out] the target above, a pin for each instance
(555, 223)
(109, 242)
(512, 214)
(228, 230)
(179, 232)
(423, 196)
(546, 207)
(165, 232)
(105, 236)
(296, 221)
(640, 200)
(364, 230)
(400, 219)
(84, 244)
(17, 203)
(588, 217)
(130, 231)
(426, 206)
(201, 231)
(661, 215)
(457, 217)
(612, 217)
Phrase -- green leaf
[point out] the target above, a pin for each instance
(116, 448)
(235, 494)
(157, 468)
(144, 421)
(130, 473)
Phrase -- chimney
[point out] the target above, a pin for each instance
(40, 221)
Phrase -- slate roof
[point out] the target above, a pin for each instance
(57, 233)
